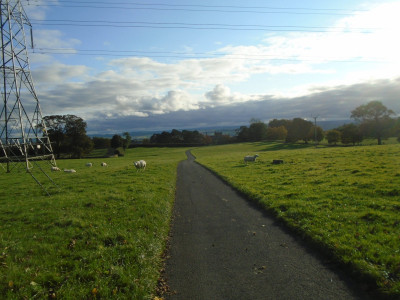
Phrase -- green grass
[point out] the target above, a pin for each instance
(100, 236)
(347, 200)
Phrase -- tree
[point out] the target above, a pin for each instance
(276, 133)
(333, 136)
(316, 134)
(219, 138)
(116, 141)
(55, 128)
(192, 137)
(278, 123)
(374, 119)
(243, 134)
(68, 135)
(396, 129)
(299, 129)
(101, 143)
(257, 131)
(350, 134)
(78, 143)
(127, 141)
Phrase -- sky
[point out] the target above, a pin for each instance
(134, 65)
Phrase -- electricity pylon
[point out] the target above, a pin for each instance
(24, 139)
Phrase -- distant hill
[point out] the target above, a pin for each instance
(328, 125)
(230, 130)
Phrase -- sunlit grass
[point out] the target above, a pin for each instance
(347, 200)
(100, 236)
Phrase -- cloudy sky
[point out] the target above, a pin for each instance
(163, 64)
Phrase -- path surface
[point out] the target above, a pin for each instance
(222, 247)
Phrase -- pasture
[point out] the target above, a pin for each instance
(103, 233)
(345, 200)
(100, 236)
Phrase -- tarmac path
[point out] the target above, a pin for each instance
(223, 247)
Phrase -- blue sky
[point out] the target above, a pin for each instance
(156, 65)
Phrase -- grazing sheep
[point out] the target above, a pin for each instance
(250, 158)
(141, 164)
(55, 169)
(69, 171)
(103, 164)
(89, 164)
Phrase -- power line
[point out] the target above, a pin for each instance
(201, 26)
(189, 55)
(199, 5)
(208, 9)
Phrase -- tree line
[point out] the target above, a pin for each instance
(373, 120)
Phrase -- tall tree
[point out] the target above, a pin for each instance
(116, 141)
(299, 129)
(257, 131)
(127, 141)
(68, 135)
(55, 127)
(374, 119)
(243, 134)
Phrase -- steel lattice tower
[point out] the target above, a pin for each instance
(24, 139)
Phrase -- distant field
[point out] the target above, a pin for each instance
(100, 236)
(347, 200)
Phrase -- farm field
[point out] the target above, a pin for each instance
(100, 236)
(346, 200)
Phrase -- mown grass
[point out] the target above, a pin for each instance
(100, 236)
(347, 200)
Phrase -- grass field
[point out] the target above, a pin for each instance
(347, 200)
(100, 236)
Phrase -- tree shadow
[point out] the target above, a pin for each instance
(286, 146)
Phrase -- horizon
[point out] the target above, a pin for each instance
(140, 134)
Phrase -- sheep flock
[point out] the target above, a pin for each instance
(140, 165)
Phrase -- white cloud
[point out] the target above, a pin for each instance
(54, 39)
(369, 35)
(57, 72)
(222, 95)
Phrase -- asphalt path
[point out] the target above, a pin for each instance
(224, 247)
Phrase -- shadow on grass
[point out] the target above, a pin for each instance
(284, 146)
(240, 166)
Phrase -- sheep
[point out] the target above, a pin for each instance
(250, 158)
(89, 164)
(69, 171)
(103, 164)
(55, 169)
(141, 164)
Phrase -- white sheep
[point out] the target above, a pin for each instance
(89, 164)
(55, 169)
(69, 171)
(103, 164)
(140, 165)
(250, 158)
